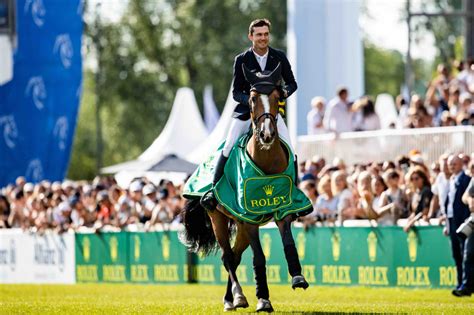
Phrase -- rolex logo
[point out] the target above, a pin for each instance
(165, 247)
(86, 249)
(136, 248)
(268, 189)
(372, 245)
(266, 245)
(113, 248)
(336, 246)
(412, 240)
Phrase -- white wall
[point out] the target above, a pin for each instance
(325, 51)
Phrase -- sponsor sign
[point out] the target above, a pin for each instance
(33, 258)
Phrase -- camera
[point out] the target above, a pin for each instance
(465, 229)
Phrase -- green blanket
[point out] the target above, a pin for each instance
(245, 191)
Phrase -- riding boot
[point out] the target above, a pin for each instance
(297, 178)
(208, 200)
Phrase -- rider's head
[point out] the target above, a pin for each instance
(259, 34)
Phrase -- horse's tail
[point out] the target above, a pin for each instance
(198, 235)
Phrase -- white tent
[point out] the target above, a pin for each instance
(183, 132)
(201, 152)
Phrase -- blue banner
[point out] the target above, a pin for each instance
(39, 106)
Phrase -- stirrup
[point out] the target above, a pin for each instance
(208, 200)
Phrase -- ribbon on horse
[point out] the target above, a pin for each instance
(245, 191)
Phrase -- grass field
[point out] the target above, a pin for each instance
(205, 299)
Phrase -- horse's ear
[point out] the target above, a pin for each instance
(276, 74)
(250, 76)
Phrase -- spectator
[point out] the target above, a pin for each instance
(420, 191)
(365, 194)
(365, 117)
(4, 212)
(345, 199)
(457, 212)
(440, 189)
(338, 115)
(315, 116)
(325, 208)
(393, 201)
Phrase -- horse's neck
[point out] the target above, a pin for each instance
(271, 161)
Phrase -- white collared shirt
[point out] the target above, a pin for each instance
(262, 60)
(452, 194)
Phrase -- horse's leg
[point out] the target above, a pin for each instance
(259, 269)
(220, 225)
(240, 245)
(291, 255)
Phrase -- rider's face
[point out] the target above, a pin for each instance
(260, 38)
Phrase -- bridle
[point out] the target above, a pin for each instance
(273, 119)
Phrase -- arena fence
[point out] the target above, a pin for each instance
(382, 256)
(387, 144)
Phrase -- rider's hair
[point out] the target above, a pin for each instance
(259, 23)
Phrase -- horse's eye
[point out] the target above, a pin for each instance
(254, 99)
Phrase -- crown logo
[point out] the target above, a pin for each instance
(268, 189)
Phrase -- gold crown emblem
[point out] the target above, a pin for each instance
(268, 189)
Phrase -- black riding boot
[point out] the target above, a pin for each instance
(297, 178)
(208, 200)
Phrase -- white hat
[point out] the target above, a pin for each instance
(67, 184)
(135, 186)
(56, 186)
(64, 206)
(465, 96)
(418, 159)
(29, 187)
(148, 189)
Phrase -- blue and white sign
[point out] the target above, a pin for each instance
(39, 106)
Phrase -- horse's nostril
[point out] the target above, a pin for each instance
(273, 134)
(262, 134)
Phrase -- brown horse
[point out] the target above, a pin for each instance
(203, 231)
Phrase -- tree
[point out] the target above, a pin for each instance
(158, 47)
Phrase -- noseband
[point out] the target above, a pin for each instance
(257, 130)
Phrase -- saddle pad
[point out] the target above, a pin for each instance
(245, 191)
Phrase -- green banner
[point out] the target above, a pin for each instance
(378, 257)
(157, 257)
(102, 257)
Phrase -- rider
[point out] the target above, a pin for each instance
(258, 58)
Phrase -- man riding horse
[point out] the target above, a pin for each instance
(258, 58)
(259, 180)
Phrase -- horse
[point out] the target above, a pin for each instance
(204, 230)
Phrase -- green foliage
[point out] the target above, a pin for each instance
(158, 47)
(383, 70)
(446, 30)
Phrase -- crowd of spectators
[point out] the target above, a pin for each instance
(382, 192)
(405, 191)
(100, 205)
(448, 102)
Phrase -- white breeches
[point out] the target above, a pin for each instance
(239, 127)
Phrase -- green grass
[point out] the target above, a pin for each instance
(206, 299)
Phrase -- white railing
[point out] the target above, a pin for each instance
(387, 144)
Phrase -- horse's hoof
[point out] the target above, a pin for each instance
(240, 301)
(299, 282)
(228, 306)
(264, 305)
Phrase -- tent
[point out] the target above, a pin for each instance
(211, 143)
(183, 132)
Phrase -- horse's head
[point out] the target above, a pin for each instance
(264, 104)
